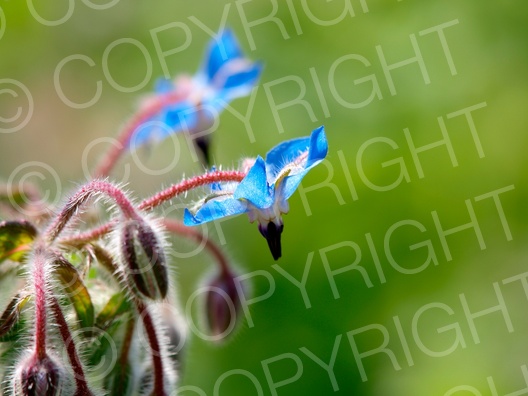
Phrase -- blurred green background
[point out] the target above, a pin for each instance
(382, 319)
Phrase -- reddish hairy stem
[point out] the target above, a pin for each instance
(158, 199)
(157, 362)
(75, 203)
(39, 280)
(91, 235)
(181, 229)
(109, 161)
(189, 184)
(78, 371)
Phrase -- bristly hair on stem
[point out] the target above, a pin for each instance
(156, 348)
(156, 200)
(40, 264)
(190, 184)
(81, 384)
(75, 203)
(134, 252)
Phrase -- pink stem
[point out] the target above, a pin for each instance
(75, 203)
(91, 235)
(157, 362)
(39, 279)
(189, 232)
(189, 184)
(158, 199)
(109, 161)
(80, 379)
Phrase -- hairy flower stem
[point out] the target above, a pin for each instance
(189, 184)
(75, 203)
(157, 362)
(81, 384)
(176, 227)
(123, 140)
(158, 199)
(40, 285)
(85, 237)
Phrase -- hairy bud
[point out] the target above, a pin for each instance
(38, 377)
(222, 304)
(145, 264)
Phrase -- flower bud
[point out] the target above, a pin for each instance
(222, 304)
(38, 377)
(145, 260)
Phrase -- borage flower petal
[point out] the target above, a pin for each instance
(192, 104)
(214, 209)
(264, 192)
(295, 157)
(226, 74)
(174, 117)
(221, 50)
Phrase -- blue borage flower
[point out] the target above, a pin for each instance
(224, 76)
(263, 194)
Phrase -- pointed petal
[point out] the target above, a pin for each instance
(221, 50)
(318, 147)
(317, 150)
(254, 187)
(239, 83)
(214, 209)
(285, 153)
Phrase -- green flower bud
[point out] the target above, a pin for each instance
(144, 259)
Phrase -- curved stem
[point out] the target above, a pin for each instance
(83, 238)
(189, 232)
(158, 199)
(80, 379)
(157, 362)
(123, 140)
(75, 203)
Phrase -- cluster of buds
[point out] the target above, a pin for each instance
(90, 292)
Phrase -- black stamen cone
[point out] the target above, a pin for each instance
(202, 143)
(272, 233)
